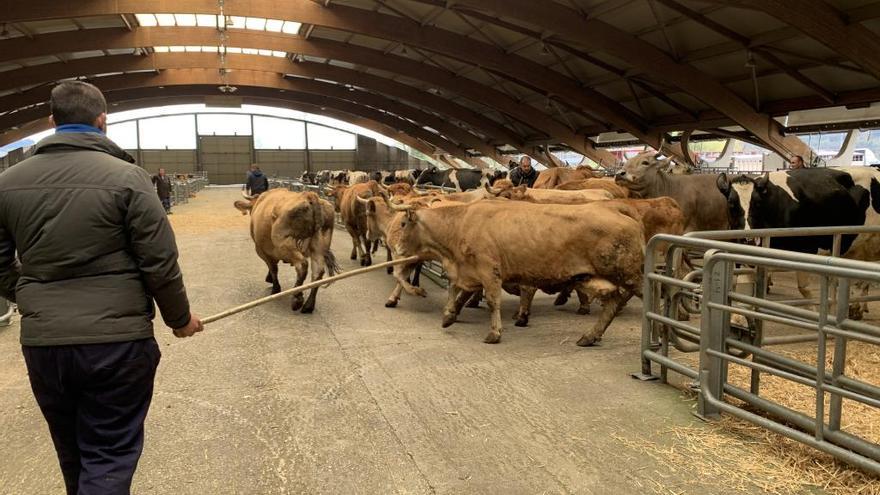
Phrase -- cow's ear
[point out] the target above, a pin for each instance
(761, 183)
(723, 184)
(411, 216)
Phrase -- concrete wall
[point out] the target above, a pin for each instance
(172, 161)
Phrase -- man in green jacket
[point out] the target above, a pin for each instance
(94, 251)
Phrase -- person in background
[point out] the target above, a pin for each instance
(797, 162)
(94, 251)
(524, 173)
(163, 189)
(257, 182)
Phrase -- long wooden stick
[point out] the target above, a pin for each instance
(305, 287)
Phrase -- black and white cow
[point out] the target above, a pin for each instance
(459, 179)
(816, 197)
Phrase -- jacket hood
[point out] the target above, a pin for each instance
(257, 173)
(89, 141)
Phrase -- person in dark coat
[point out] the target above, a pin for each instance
(257, 182)
(163, 189)
(524, 173)
(94, 252)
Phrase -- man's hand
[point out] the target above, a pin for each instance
(194, 325)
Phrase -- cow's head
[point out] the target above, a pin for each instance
(744, 198)
(641, 169)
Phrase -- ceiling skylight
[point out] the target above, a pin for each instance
(214, 49)
(213, 21)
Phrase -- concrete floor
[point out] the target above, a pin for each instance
(357, 398)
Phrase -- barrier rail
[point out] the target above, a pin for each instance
(183, 189)
(716, 297)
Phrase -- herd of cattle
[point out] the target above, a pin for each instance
(574, 231)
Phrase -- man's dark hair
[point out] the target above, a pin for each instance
(76, 102)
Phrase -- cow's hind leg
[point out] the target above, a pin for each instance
(272, 276)
(302, 270)
(562, 298)
(493, 300)
(474, 300)
(390, 269)
(584, 298)
(366, 259)
(318, 269)
(417, 275)
(526, 295)
(612, 301)
(449, 313)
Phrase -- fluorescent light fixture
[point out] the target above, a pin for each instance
(232, 49)
(236, 22)
(146, 20)
(212, 49)
(276, 53)
(249, 51)
(265, 53)
(160, 49)
(175, 49)
(193, 48)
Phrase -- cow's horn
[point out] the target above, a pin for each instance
(491, 190)
(246, 196)
(382, 186)
(420, 192)
(398, 207)
(362, 200)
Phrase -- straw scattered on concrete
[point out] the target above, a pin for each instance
(746, 456)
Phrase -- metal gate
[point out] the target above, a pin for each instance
(709, 291)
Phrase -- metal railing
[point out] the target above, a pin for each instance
(183, 189)
(719, 342)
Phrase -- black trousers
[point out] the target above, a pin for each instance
(95, 398)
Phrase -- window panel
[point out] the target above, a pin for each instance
(272, 134)
(174, 132)
(225, 124)
(124, 135)
(325, 138)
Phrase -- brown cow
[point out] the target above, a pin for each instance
(703, 205)
(354, 216)
(552, 177)
(294, 228)
(550, 196)
(598, 248)
(605, 183)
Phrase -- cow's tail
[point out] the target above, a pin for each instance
(333, 267)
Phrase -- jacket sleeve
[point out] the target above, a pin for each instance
(155, 251)
(10, 270)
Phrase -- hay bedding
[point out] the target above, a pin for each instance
(745, 456)
(202, 221)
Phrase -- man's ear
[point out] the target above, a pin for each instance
(101, 122)
(52, 121)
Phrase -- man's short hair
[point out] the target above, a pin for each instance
(525, 157)
(76, 102)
